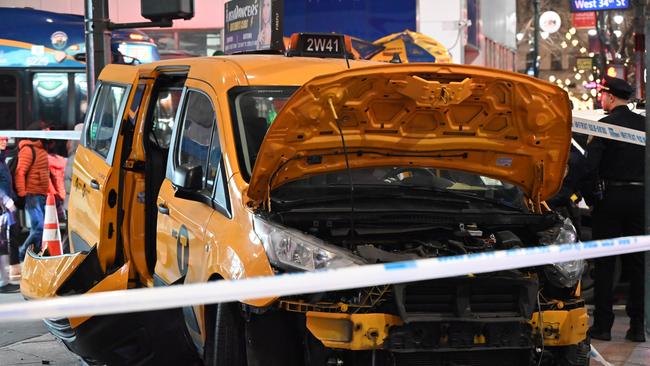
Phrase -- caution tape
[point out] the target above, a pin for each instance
(584, 125)
(46, 135)
(158, 298)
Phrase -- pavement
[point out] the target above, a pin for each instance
(29, 343)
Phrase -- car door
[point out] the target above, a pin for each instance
(182, 221)
(93, 210)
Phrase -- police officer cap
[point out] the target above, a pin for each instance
(617, 87)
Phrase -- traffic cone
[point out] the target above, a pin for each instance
(51, 233)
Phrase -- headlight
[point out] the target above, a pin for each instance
(565, 274)
(290, 249)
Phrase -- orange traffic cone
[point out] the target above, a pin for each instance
(51, 233)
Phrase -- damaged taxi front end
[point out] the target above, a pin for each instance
(119, 339)
(394, 163)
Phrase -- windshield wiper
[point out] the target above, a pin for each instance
(462, 195)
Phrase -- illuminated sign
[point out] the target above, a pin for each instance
(595, 5)
(253, 25)
(584, 63)
(318, 45)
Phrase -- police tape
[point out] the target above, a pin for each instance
(42, 134)
(145, 299)
(590, 127)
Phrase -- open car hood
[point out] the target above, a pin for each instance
(494, 123)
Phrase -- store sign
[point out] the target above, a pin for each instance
(584, 63)
(253, 25)
(584, 20)
(550, 21)
(595, 5)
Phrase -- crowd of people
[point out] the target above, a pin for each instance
(28, 173)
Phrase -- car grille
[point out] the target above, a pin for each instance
(467, 298)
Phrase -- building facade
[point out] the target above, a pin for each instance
(479, 32)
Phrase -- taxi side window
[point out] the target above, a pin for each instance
(164, 112)
(105, 118)
(216, 174)
(196, 133)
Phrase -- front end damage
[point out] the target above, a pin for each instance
(527, 316)
(119, 339)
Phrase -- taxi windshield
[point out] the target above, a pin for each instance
(254, 109)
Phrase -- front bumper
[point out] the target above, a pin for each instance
(469, 313)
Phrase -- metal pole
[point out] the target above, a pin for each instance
(98, 40)
(647, 179)
(536, 40)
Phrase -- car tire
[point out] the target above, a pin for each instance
(576, 355)
(225, 340)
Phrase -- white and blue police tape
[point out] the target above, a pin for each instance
(588, 124)
(311, 282)
(42, 134)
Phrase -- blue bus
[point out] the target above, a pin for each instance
(43, 70)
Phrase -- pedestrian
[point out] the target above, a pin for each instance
(7, 188)
(618, 168)
(56, 185)
(32, 182)
(6, 221)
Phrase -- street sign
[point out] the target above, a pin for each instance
(596, 5)
(584, 20)
(584, 63)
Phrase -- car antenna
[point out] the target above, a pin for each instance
(347, 62)
(347, 166)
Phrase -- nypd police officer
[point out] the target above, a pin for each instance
(617, 168)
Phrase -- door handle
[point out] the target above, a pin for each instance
(163, 209)
(94, 184)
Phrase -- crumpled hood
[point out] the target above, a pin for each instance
(490, 122)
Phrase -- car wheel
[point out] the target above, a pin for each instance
(225, 339)
(576, 355)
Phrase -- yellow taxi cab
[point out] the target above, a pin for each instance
(231, 167)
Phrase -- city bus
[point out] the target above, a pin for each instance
(43, 70)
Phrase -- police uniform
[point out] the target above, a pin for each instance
(619, 167)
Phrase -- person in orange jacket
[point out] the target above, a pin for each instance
(56, 187)
(32, 180)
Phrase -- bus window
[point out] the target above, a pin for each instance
(81, 98)
(8, 102)
(50, 103)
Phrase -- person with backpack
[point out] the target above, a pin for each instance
(32, 179)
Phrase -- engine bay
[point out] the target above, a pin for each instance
(388, 237)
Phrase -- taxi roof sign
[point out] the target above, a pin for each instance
(325, 45)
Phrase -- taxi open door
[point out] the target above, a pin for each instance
(95, 191)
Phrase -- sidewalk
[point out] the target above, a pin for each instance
(619, 352)
(42, 350)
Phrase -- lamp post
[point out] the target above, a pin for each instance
(536, 40)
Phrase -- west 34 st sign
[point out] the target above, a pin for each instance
(594, 5)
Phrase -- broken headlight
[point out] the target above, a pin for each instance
(292, 250)
(564, 274)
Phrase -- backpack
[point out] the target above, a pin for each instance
(13, 163)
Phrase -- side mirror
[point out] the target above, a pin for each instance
(188, 177)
